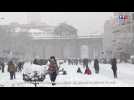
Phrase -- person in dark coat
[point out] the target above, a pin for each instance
(114, 67)
(85, 62)
(53, 69)
(12, 70)
(2, 66)
(35, 61)
(96, 66)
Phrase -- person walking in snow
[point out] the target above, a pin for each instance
(12, 70)
(96, 66)
(85, 62)
(53, 69)
(114, 67)
(2, 66)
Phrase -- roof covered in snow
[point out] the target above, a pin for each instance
(38, 37)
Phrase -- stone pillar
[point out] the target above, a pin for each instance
(90, 51)
(84, 51)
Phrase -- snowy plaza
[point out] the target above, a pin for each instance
(73, 79)
(104, 39)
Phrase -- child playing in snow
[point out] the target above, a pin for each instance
(87, 71)
(79, 70)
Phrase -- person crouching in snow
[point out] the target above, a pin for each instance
(87, 71)
(79, 70)
(85, 64)
(53, 69)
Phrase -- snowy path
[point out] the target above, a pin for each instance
(73, 79)
(125, 73)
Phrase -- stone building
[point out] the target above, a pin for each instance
(29, 41)
(119, 38)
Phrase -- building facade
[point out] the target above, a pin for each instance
(31, 41)
(107, 41)
(120, 37)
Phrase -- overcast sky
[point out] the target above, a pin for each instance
(85, 22)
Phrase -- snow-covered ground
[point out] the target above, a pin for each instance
(74, 79)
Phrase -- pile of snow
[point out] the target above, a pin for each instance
(29, 68)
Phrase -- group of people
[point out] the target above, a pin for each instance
(53, 67)
(87, 69)
(12, 67)
(96, 67)
(76, 61)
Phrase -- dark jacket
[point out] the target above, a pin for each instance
(114, 64)
(96, 63)
(85, 62)
(12, 68)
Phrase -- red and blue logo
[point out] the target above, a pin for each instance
(120, 20)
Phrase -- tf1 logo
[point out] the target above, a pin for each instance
(120, 20)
